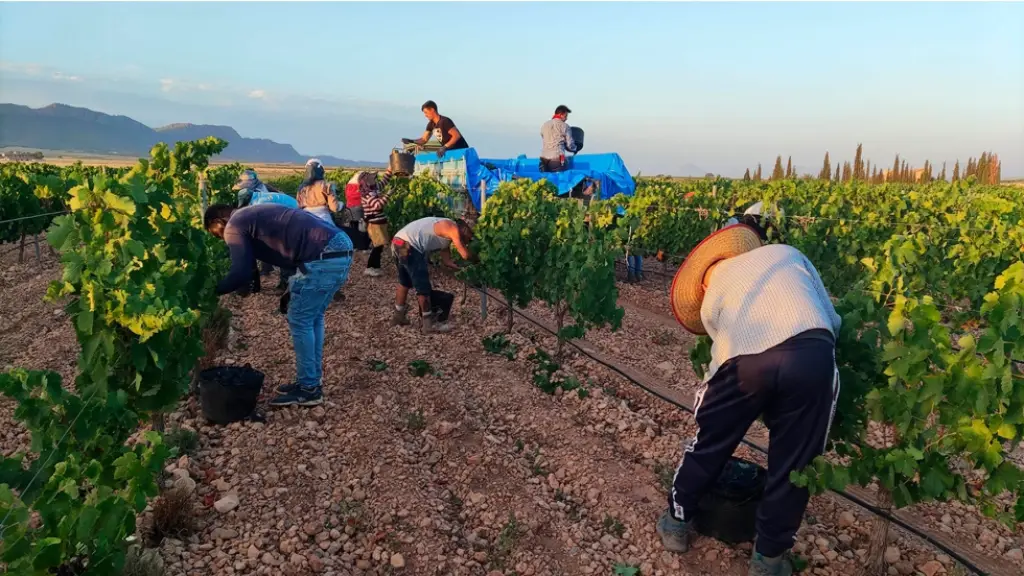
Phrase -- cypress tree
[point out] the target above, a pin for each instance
(996, 170)
(982, 168)
(837, 174)
(746, 175)
(895, 175)
(757, 173)
(777, 173)
(858, 163)
(826, 169)
(789, 168)
(942, 173)
(847, 172)
(956, 171)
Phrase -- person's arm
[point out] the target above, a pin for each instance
(455, 135)
(332, 199)
(242, 261)
(446, 260)
(826, 300)
(570, 144)
(451, 231)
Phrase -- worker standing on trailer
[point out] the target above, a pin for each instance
(411, 248)
(773, 331)
(290, 239)
(440, 128)
(556, 140)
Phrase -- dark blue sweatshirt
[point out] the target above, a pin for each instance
(271, 233)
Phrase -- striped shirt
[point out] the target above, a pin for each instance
(374, 202)
(762, 298)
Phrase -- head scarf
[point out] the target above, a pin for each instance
(248, 184)
(314, 172)
(367, 184)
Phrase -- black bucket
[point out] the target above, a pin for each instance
(441, 302)
(229, 393)
(577, 137)
(728, 512)
(402, 162)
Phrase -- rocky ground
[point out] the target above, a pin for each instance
(467, 470)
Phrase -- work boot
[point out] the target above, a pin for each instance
(373, 272)
(676, 535)
(430, 325)
(399, 318)
(630, 277)
(761, 565)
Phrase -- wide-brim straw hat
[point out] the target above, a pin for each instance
(687, 292)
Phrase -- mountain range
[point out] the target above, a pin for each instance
(73, 129)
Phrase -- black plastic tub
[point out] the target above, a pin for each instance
(729, 511)
(229, 393)
(441, 302)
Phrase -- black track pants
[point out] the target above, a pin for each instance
(794, 386)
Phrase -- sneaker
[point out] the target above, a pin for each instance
(287, 388)
(300, 396)
(676, 535)
(761, 565)
(373, 272)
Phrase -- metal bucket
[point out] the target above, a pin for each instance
(402, 162)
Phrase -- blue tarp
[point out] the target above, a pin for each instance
(464, 170)
(607, 169)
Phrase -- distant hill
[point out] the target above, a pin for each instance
(63, 127)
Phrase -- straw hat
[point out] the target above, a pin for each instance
(687, 292)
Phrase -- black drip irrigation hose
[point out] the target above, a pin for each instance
(854, 499)
(35, 216)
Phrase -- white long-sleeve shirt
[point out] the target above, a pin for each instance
(762, 298)
(556, 139)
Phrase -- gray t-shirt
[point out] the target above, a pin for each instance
(420, 235)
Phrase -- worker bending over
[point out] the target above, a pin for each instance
(252, 192)
(556, 139)
(411, 248)
(773, 332)
(290, 239)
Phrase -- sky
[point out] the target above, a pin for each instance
(674, 88)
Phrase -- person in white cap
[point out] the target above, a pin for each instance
(773, 330)
(760, 219)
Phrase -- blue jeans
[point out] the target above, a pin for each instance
(635, 264)
(311, 293)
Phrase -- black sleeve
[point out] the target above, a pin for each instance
(430, 126)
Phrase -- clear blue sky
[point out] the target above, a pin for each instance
(670, 86)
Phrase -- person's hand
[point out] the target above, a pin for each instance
(441, 151)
